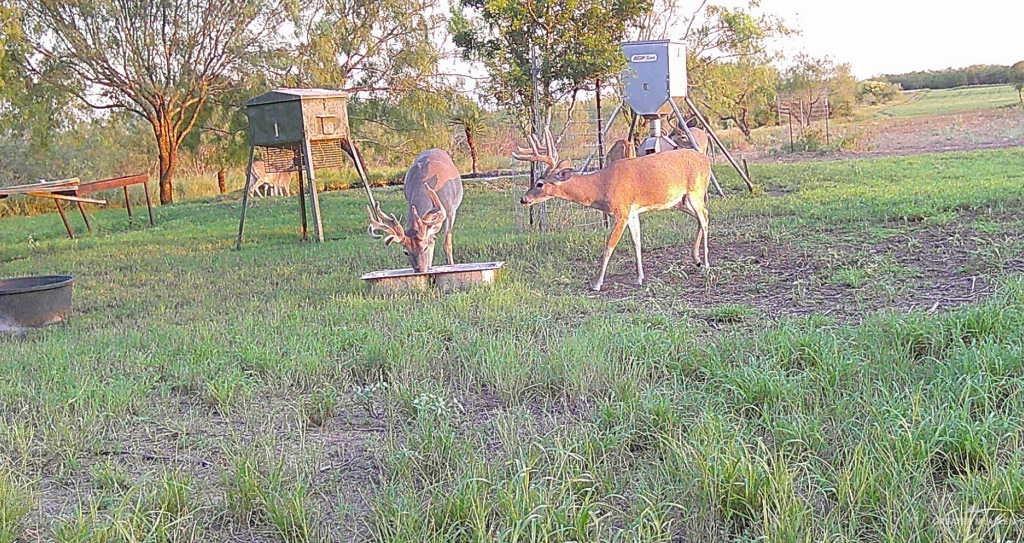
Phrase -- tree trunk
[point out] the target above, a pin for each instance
(222, 181)
(167, 149)
(472, 148)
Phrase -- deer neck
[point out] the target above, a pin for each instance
(584, 189)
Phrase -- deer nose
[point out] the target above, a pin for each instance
(523, 200)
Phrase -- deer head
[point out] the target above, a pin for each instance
(556, 171)
(418, 239)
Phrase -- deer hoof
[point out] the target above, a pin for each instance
(596, 287)
(640, 281)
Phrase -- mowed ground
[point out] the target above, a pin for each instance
(852, 369)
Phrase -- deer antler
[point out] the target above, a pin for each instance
(546, 154)
(384, 226)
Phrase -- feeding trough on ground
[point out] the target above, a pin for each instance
(445, 278)
(33, 302)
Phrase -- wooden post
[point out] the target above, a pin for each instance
(827, 111)
(600, 139)
(127, 201)
(792, 149)
(245, 197)
(314, 198)
(81, 209)
(149, 203)
(64, 217)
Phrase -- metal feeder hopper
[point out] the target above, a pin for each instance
(300, 130)
(654, 79)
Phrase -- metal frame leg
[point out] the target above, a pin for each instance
(302, 205)
(318, 225)
(245, 199)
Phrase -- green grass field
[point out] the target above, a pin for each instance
(958, 100)
(807, 389)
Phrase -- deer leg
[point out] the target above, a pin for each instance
(448, 247)
(613, 240)
(692, 211)
(701, 212)
(634, 232)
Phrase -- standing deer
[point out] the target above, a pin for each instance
(432, 182)
(269, 183)
(624, 189)
(620, 149)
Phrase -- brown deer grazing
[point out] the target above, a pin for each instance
(269, 183)
(433, 183)
(625, 189)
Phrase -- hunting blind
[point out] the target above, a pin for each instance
(300, 130)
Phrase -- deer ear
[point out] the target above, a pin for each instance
(564, 174)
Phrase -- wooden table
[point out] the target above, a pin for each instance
(85, 189)
(72, 190)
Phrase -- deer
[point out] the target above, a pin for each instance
(432, 183)
(625, 189)
(620, 149)
(269, 183)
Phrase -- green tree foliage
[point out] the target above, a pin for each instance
(979, 74)
(162, 60)
(1017, 80)
(874, 92)
(741, 92)
(809, 81)
(574, 42)
(729, 57)
(386, 54)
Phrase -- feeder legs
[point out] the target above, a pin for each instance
(302, 205)
(245, 198)
(314, 198)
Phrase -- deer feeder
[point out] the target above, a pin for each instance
(300, 130)
(656, 75)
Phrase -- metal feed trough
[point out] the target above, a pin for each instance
(33, 302)
(445, 278)
(300, 130)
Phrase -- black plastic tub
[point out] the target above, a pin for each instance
(32, 302)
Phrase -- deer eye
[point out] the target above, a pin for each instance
(540, 184)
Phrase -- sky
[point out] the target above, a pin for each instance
(894, 36)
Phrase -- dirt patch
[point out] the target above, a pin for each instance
(922, 267)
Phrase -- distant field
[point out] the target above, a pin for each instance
(958, 100)
(206, 394)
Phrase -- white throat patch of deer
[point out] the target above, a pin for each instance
(433, 194)
(624, 189)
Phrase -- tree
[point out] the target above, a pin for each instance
(365, 46)
(729, 59)
(810, 81)
(472, 120)
(570, 42)
(162, 60)
(1017, 80)
(742, 92)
